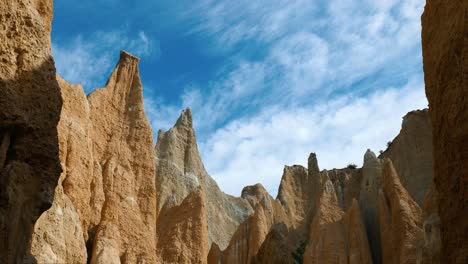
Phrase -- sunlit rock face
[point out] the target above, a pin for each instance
(80, 181)
(183, 231)
(336, 236)
(411, 154)
(106, 197)
(444, 44)
(400, 219)
(180, 171)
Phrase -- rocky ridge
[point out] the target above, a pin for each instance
(81, 182)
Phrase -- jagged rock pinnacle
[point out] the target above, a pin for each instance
(185, 119)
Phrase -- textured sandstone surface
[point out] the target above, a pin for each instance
(58, 235)
(107, 190)
(249, 236)
(400, 219)
(430, 245)
(411, 154)
(445, 58)
(276, 249)
(356, 236)
(297, 193)
(183, 232)
(30, 106)
(81, 183)
(180, 171)
(123, 159)
(336, 236)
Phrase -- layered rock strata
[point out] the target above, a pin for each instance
(445, 59)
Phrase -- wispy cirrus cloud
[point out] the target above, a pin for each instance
(333, 77)
(255, 148)
(330, 76)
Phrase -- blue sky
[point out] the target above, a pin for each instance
(268, 81)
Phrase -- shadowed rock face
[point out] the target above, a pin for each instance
(276, 248)
(368, 199)
(30, 106)
(430, 245)
(445, 57)
(400, 219)
(180, 171)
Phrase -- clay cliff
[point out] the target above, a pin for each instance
(182, 230)
(80, 181)
(400, 219)
(411, 154)
(336, 236)
(30, 105)
(445, 61)
(106, 195)
(180, 171)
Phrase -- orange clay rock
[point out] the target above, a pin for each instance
(250, 235)
(335, 236)
(400, 219)
(108, 161)
(411, 154)
(183, 231)
(30, 105)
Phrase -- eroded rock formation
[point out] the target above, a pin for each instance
(400, 219)
(411, 154)
(445, 57)
(368, 199)
(80, 181)
(183, 231)
(180, 171)
(336, 236)
(108, 177)
(30, 105)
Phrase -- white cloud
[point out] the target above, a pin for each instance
(313, 85)
(89, 60)
(255, 149)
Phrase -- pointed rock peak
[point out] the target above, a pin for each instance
(254, 193)
(197, 196)
(295, 169)
(370, 159)
(185, 119)
(400, 219)
(126, 57)
(390, 176)
(254, 190)
(312, 164)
